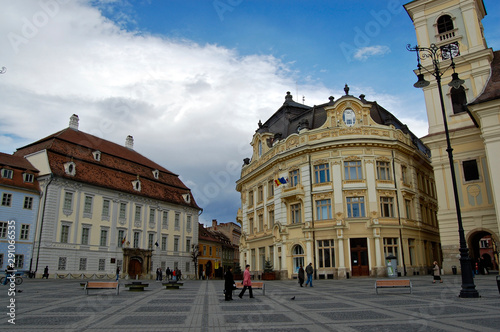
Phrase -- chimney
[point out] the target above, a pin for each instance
(129, 142)
(73, 122)
(214, 223)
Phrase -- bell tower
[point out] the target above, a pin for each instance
(454, 26)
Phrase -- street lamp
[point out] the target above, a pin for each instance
(447, 52)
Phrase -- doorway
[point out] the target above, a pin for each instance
(134, 267)
(359, 257)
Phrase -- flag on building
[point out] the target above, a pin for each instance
(281, 180)
(124, 239)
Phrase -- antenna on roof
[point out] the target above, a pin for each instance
(303, 99)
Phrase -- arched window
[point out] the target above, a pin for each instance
(458, 100)
(298, 258)
(444, 23)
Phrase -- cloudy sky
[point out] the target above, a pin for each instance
(189, 80)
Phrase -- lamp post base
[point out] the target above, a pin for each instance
(468, 288)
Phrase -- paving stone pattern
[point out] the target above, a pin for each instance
(331, 305)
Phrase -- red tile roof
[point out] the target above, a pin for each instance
(116, 169)
(18, 165)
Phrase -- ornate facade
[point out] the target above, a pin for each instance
(343, 185)
(472, 114)
(104, 206)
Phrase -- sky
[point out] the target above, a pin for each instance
(190, 80)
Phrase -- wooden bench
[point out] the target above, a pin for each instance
(392, 283)
(101, 285)
(136, 286)
(255, 285)
(172, 285)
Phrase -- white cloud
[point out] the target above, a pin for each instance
(366, 52)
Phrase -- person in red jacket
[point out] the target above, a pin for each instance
(247, 282)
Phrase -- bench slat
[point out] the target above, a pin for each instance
(101, 285)
(393, 284)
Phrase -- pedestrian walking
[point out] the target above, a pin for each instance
(161, 274)
(309, 271)
(229, 285)
(437, 273)
(247, 283)
(117, 273)
(301, 276)
(167, 273)
(45, 273)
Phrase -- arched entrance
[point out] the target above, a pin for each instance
(135, 267)
(482, 250)
(298, 258)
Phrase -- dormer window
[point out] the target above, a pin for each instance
(70, 168)
(137, 184)
(28, 177)
(156, 173)
(260, 148)
(7, 173)
(97, 155)
(187, 197)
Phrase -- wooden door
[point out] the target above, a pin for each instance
(359, 258)
(134, 268)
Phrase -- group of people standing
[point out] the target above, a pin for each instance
(174, 274)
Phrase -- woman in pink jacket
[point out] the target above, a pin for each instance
(247, 283)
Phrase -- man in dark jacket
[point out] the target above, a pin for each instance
(309, 271)
(229, 284)
(301, 276)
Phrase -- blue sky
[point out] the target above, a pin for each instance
(191, 79)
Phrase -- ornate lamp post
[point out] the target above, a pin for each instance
(433, 53)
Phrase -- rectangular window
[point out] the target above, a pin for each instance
(188, 244)
(383, 170)
(262, 258)
(177, 222)
(411, 249)
(163, 243)
(1, 260)
(102, 264)
(152, 215)
(83, 264)
(105, 208)
(123, 211)
(164, 220)
(188, 265)
(204, 251)
(138, 213)
(25, 232)
(7, 173)
(326, 251)
(68, 201)
(270, 188)
(387, 207)
(176, 244)
(61, 265)
(321, 173)
(210, 251)
(471, 171)
(151, 237)
(251, 225)
(355, 207)
(390, 246)
(87, 208)
(250, 198)
(28, 177)
(188, 223)
(260, 194)
(3, 230)
(295, 212)
(404, 175)
(408, 208)
(104, 238)
(271, 218)
(271, 254)
(28, 203)
(324, 209)
(64, 233)
(261, 222)
(6, 199)
(352, 170)
(294, 178)
(121, 238)
(136, 239)
(19, 261)
(85, 235)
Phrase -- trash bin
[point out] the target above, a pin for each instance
(392, 266)
(454, 269)
(498, 283)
